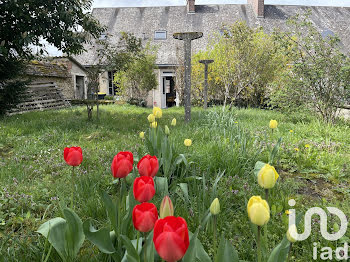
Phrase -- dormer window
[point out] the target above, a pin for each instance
(160, 35)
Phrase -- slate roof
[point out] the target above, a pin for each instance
(143, 21)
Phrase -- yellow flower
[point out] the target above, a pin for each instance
(296, 149)
(166, 208)
(173, 122)
(267, 176)
(142, 135)
(188, 142)
(166, 130)
(292, 230)
(151, 118)
(273, 124)
(258, 211)
(215, 207)
(307, 146)
(287, 212)
(157, 112)
(154, 124)
(236, 122)
(291, 131)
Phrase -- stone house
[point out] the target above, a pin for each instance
(68, 75)
(158, 24)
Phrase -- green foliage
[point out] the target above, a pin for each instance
(318, 77)
(246, 61)
(65, 235)
(11, 85)
(26, 22)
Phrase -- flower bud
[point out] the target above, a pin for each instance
(157, 112)
(292, 230)
(154, 124)
(267, 176)
(166, 130)
(273, 124)
(151, 118)
(258, 210)
(166, 208)
(188, 142)
(142, 135)
(215, 207)
(173, 122)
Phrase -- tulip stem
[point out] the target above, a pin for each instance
(73, 189)
(145, 247)
(137, 243)
(290, 251)
(267, 195)
(259, 244)
(214, 217)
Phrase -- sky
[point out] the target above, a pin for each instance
(52, 51)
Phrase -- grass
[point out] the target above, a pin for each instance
(35, 181)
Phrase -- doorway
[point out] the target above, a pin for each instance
(168, 93)
(79, 87)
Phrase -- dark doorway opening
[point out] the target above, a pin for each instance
(169, 91)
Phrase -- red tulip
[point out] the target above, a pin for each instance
(73, 156)
(170, 238)
(148, 166)
(144, 188)
(122, 164)
(144, 216)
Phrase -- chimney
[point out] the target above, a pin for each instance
(191, 6)
(258, 7)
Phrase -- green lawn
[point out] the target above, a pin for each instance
(35, 180)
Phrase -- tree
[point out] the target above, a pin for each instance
(246, 61)
(318, 78)
(133, 64)
(25, 23)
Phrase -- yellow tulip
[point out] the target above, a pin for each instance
(258, 210)
(151, 118)
(154, 124)
(166, 130)
(188, 142)
(267, 176)
(142, 135)
(166, 208)
(273, 124)
(215, 207)
(173, 122)
(292, 230)
(157, 112)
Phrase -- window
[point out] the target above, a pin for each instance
(160, 35)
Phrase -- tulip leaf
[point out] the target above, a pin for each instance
(132, 254)
(191, 251)
(74, 232)
(126, 257)
(111, 210)
(275, 150)
(54, 231)
(226, 252)
(184, 189)
(280, 252)
(258, 165)
(217, 179)
(101, 238)
(161, 184)
(150, 247)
